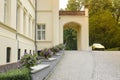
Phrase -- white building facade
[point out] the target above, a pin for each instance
(18, 34)
(47, 23)
(17, 29)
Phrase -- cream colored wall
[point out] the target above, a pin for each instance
(9, 34)
(7, 39)
(48, 14)
(46, 18)
(44, 5)
(84, 33)
(1, 10)
(26, 40)
(4, 43)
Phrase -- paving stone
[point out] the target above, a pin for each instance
(88, 65)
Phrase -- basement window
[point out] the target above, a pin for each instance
(8, 54)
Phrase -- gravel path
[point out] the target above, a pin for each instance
(107, 65)
(83, 65)
(74, 66)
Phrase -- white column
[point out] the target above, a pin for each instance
(30, 33)
(55, 22)
(21, 19)
(27, 24)
(33, 29)
(2, 10)
(13, 7)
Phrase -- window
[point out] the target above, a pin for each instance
(41, 32)
(8, 53)
(30, 52)
(25, 51)
(19, 51)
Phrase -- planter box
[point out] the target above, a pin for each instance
(52, 61)
(42, 74)
(40, 71)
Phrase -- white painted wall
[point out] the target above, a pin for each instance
(84, 32)
(10, 37)
(48, 14)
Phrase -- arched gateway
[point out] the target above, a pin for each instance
(80, 21)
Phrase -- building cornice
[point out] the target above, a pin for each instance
(47, 41)
(26, 37)
(44, 11)
(5, 26)
(81, 13)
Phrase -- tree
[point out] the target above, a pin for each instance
(103, 29)
(72, 5)
(70, 39)
(99, 6)
(103, 16)
(116, 11)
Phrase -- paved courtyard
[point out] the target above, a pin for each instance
(83, 65)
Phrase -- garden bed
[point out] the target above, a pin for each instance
(42, 74)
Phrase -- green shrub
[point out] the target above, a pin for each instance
(113, 49)
(45, 53)
(29, 60)
(18, 74)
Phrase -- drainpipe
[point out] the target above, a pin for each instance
(35, 25)
(17, 28)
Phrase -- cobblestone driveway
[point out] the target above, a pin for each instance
(96, 65)
(106, 65)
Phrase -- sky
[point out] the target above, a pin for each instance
(63, 3)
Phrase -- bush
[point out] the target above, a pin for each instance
(29, 60)
(18, 74)
(45, 53)
(113, 49)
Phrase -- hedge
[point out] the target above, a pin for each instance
(18, 74)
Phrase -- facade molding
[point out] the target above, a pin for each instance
(5, 26)
(26, 37)
(44, 11)
(33, 6)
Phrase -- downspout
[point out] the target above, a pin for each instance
(35, 25)
(17, 28)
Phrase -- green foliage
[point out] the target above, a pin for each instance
(72, 5)
(45, 53)
(116, 11)
(60, 46)
(70, 39)
(114, 49)
(103, 29)
(99, 6)
(104, 19)
(29, 60)
(19, 74)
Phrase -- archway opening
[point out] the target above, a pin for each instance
(71, 36)
(70, 39)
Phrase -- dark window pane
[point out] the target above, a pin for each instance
(8, 53)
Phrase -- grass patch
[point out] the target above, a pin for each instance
(113, 49)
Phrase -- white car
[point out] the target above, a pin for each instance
(97, 46)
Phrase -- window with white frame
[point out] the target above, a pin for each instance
(41, 32)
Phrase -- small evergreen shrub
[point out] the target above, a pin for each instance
(29, 60)
(46, 53)
(18, 74)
